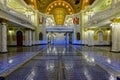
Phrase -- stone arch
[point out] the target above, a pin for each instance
(40, 36)
(99, 31)
(100, 35)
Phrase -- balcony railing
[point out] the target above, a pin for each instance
(98, 17)
(59, 29)
(20, 16)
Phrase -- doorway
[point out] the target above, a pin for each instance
(78, 36)
(40, 36)
(100, 37)
(19, 38)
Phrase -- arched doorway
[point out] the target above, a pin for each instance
(19, 38)
(40, 36)
(78, 36)
(100, 36)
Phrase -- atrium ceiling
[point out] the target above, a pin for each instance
(59, 8)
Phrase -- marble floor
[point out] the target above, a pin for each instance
(16, 57)
(69, 62)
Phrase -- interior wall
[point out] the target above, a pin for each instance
(102, 36)
(12, 36)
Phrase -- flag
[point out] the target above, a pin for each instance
(75, 20)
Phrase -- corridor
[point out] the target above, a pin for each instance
(60, 62)
(60, 39)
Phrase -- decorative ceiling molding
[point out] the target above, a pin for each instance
(63, 4)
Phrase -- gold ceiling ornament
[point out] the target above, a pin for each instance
(59, 9)
(33, 3)
(31, 0)
(41, 5)
(60, 3)
(116, 20)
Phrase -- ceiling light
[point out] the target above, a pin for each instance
(63, 4)
(70, 12)
(47, 12)
(31, 0)
(59, 3)
(66, 6)
(52, 6)
(86, 1)
(55, 4)
(49, 9)
(69, 9)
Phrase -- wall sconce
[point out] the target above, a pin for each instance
(108, 31)
(10, 32)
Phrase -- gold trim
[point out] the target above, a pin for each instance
(59, 3)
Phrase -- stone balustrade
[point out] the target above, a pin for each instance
(104, 15)
(9, 13)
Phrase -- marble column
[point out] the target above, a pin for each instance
(116, 37)
(90, 38)
(74, 36)
(3, 37)
(28, 37)
(86, 37)
(33, 37)
(108, 36)
(51, 38)
(113, 3)
(44, 34)
(67, 38)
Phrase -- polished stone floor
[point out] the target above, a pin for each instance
(16, 57)
(61, 62)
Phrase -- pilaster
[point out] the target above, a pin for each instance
(3, 37)
(28, 37)
(90, 38)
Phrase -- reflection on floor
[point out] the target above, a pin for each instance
(62, 62)
(16, 57)
(102, 56)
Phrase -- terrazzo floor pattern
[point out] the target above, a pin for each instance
(60, 62)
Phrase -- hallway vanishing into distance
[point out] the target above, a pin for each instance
(60, 39)
(64, 62)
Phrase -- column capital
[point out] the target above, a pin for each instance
(3, 21)
(28, 29)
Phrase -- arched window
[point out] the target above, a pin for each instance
(100, 36)
(40, 36)
(78, 36)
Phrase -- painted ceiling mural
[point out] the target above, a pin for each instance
(59, 8)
